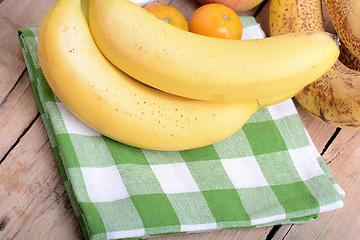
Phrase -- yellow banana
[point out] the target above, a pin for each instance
(345, 16)
(265, 102)
(334, 98)
(85, 8)
(199, 67)
(117, 105)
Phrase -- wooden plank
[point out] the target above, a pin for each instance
(15, 14)
(34, 204)
(32, 196)
(17, 111)
(343, 160)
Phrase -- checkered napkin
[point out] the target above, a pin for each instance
(267, 173)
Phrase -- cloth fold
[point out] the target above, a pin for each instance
(268, 173)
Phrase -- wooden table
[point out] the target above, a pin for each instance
(33, 201)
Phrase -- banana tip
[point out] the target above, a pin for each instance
(336, 39)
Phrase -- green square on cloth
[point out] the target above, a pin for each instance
(268, 173)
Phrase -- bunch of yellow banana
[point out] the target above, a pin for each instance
(334, 98)
(77, 62)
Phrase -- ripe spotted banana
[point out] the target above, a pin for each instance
(115, 104)
(199, 67)
(345, 16)
(334, 98)
(348, 59)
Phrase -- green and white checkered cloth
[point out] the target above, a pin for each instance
(268, 173)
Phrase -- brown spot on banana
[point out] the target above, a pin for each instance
(345, 17)
(348, 59)
(334, 98)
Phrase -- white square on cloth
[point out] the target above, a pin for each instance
(244, 172)
(305, 163)
(175, 178)
(282, 109)
(104, 184)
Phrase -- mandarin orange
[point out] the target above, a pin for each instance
(216, 20)
(168, 14)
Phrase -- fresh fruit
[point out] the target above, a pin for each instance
(168, 14)
(216, 20)
(118, 106)
(334, 98)
(205, 68)
(236, 5)
(345, 16)
(265, 102)
(348, 59)
(290, 16)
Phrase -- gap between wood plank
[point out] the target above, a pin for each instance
(12, 89)
(272, 232)
(20, 137)
(327, 145)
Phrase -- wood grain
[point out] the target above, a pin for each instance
(17, 112)
(16, 14)
(32, 194)
(33, 201)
